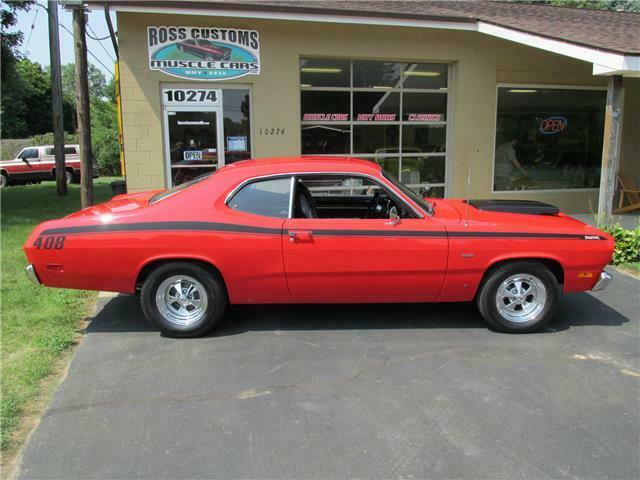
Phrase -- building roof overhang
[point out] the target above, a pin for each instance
(604, 61)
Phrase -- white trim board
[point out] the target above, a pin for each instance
(604, 63)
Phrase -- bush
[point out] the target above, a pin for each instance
(104, 136)
(627, 243)
(47, 139)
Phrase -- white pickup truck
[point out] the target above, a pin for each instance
(35, 164)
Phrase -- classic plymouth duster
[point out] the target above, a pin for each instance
(318, 230)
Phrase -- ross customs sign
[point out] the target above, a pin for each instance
(204, 53)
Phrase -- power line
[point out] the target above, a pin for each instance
(94, 38)
(99, 42)
(89, 51)
(33, 25)
(71, 33)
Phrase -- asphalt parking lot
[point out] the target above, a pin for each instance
(392, 391)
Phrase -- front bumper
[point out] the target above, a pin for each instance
(31, 274)
(603, 282)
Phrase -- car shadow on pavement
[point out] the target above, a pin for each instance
(123, 314)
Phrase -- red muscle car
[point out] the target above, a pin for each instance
(205, 49)
(314, 230)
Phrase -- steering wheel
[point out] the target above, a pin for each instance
(379, 206)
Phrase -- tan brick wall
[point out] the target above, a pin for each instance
(479, 63)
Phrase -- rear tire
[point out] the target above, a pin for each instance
(183, 299)
(518, 297)
(68, 177)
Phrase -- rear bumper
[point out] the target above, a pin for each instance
(31, 274)
(603, 282)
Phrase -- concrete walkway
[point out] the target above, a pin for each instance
(393, 391)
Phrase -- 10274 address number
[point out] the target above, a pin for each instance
(271, 131)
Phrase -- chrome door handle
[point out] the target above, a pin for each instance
(301, 235)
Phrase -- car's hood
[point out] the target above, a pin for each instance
(520, 221)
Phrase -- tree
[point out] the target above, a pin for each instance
(97, 83)
(10, 40)
(36, 97)
(10, 86)
(613, 5)
(104, 133)
(110, 89)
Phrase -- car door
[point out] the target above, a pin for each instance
(372, 260)
(27, 165)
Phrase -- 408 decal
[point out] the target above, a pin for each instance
(50, 243)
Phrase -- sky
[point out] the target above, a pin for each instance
(37, 48)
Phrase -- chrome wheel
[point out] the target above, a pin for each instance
(521, 298)
(181, 300)
(3, 181)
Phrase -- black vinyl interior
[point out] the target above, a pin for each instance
(305, 206)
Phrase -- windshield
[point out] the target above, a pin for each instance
(426, 206)
(167, 193)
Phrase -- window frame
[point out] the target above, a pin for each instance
(447, 123)
(258, 179)
(168, 182)
(495, 132)
(392, 189)
(19, 156)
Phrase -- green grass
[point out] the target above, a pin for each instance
(38, 324)
(633, 267)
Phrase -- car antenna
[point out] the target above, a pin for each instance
(466, 212)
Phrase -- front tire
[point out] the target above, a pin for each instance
(518, 297)
(4, 181)
(183, 299)
(68, 177)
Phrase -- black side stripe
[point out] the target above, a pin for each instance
(234, 228)
(155, 226)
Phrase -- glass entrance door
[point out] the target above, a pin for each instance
(193, 144)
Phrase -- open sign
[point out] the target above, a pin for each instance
(552, 125)
(193, 155)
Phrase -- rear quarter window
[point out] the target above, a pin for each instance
(50, 151)
(269, 198)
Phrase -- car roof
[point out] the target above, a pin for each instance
(319, 163)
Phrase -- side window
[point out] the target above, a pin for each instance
(50, 151)
(345, 196)
(29, 153)
(269, 198)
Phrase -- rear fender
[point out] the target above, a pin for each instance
(145, 268)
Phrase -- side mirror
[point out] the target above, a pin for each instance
(394, 217)
(24, 159)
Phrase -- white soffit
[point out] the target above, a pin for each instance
(604, 63)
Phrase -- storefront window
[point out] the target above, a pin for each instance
(548, 138)
(375, 138)
(325, 106)
(193, 140)
(326, 139)
(393, 113)
(320, 72)
(236, 112)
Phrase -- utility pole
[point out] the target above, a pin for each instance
(84, 114)
(611, 148)
(56, 93)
